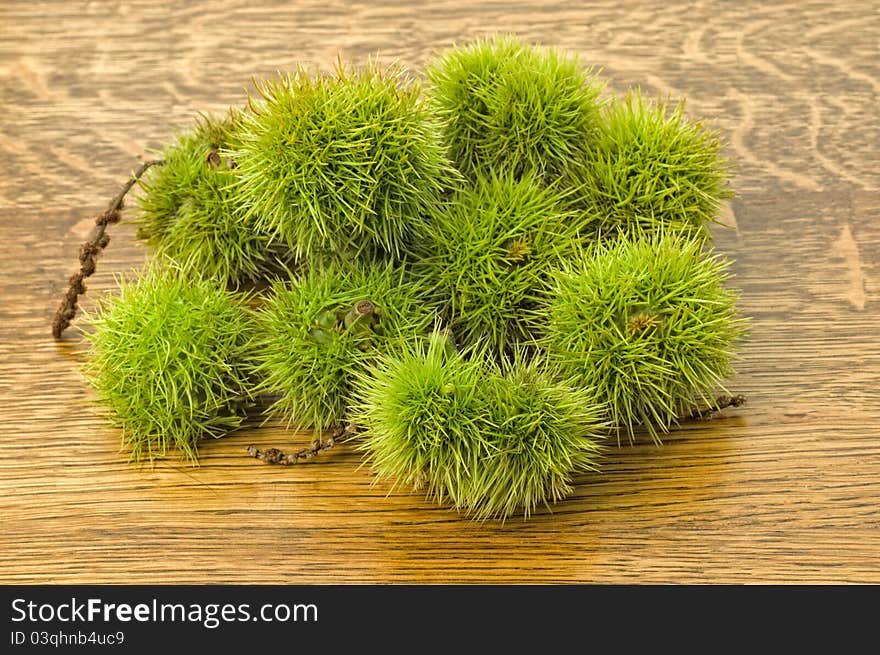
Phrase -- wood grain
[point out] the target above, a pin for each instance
(785, 489)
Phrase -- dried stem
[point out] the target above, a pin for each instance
(721, 402)
(276, 456)
(90, 250)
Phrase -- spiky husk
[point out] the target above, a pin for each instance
(169, 361)
(309, 348)
(349, 161)
(652, 168)
(189, 209)
(490, 441)
(422, 412)
(487, 252)
(545, 430)
(513, 108)
(646, 323)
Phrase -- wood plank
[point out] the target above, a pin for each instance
(785, 489)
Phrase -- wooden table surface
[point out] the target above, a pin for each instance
(784, 489)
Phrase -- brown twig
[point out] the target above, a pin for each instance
(90, 250)
(277, 456)
(721, 402)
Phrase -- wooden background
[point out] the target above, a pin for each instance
(785, 489)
